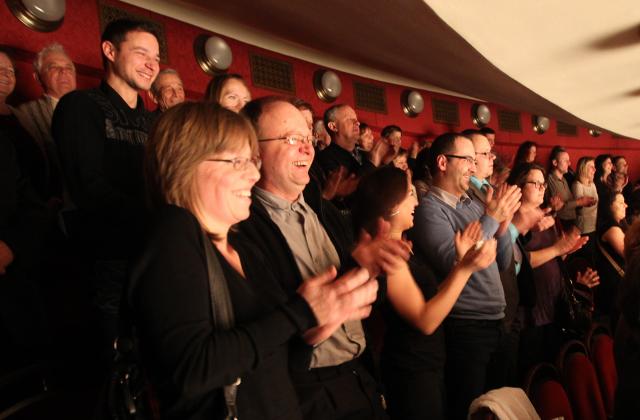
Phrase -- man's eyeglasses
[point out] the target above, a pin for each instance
(240, 164)
(470, 160)
(488, 155)
(538, 185)
(294, 139)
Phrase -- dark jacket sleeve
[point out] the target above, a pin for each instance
(23, 216)
(169, 297)
(78, 129)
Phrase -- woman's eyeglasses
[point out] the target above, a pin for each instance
(240, 164)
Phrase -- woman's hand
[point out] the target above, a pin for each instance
(589, 278)
(479, 258)
(465, 240)
(570, 242)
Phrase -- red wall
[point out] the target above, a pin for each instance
(80, 35)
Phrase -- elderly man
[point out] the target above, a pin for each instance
(55, 72)
(473, 328)
(303, 235)
(167, 90)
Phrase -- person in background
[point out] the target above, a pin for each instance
(559, 162)
(228, 90)
(400, 161)
(584, 185)
(413, 354)
(320, 133)
(167, 90)
(56, 74)
(490, 134)
(306, 109)
(31, 157)
(610, 235)
(604, 167)
(526, 153)
(365, 141)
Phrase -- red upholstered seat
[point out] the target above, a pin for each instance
(581, 382)
(546, 393)
(605, 367)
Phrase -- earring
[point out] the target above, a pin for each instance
(394, 213)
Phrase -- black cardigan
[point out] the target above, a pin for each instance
(187, 358)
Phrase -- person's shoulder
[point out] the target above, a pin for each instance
(79, 100)
(172, 222)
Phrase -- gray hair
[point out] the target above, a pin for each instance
(330, 116)
(155, 89)
(55, 47)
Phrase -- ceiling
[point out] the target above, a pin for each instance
(576, 61)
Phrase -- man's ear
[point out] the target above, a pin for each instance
(332, 126)
(109, 50)
(441, 162)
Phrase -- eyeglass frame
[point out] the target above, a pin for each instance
(311, 139)
(240, 164)
(470, 160)
(538, 185)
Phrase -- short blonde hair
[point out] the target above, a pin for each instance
(183, 137)
(581, 168)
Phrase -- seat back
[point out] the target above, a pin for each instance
(544, 389)
(580, 381)
(605, 366)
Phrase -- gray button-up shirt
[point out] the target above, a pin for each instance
(314, 253)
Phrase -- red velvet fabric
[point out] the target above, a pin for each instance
(582, 388)
(551, 401)
(605, 366)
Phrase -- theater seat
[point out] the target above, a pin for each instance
(542, 385)
(580, 381)
(600, 346)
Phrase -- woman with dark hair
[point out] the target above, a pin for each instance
(545, 250)
(229, 91)
(604, 167)
(205, 307)
(413, 353)
(526, 153)
(610, 236)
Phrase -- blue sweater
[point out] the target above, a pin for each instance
(433, 234)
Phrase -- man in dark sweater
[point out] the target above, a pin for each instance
(101, 134)
(303, 235)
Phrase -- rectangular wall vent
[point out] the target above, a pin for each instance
(509, 121)
(445, 112)
(271, 73)
(370, 97)
(565, 129)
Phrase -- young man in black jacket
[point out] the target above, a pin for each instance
(101, 134)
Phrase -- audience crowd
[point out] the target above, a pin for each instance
(271, 263)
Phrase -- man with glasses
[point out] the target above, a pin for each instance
(303, 236)
(473, 328)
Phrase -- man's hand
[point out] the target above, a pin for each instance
(6, 257)
(556, 203)
(333, 302)
(339, 184)
(466, 239)
(504, 204)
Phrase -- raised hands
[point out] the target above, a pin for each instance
(339, 184)
(570, 242)
(502, 205)
(556, 203)
(334, 301)
(479, 257)
(467, 238)
(367, 251)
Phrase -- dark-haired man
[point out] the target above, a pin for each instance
(101, 134)
(473, 328)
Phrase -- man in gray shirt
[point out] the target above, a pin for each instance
(303, 236)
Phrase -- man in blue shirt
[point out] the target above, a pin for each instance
(473, 327)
